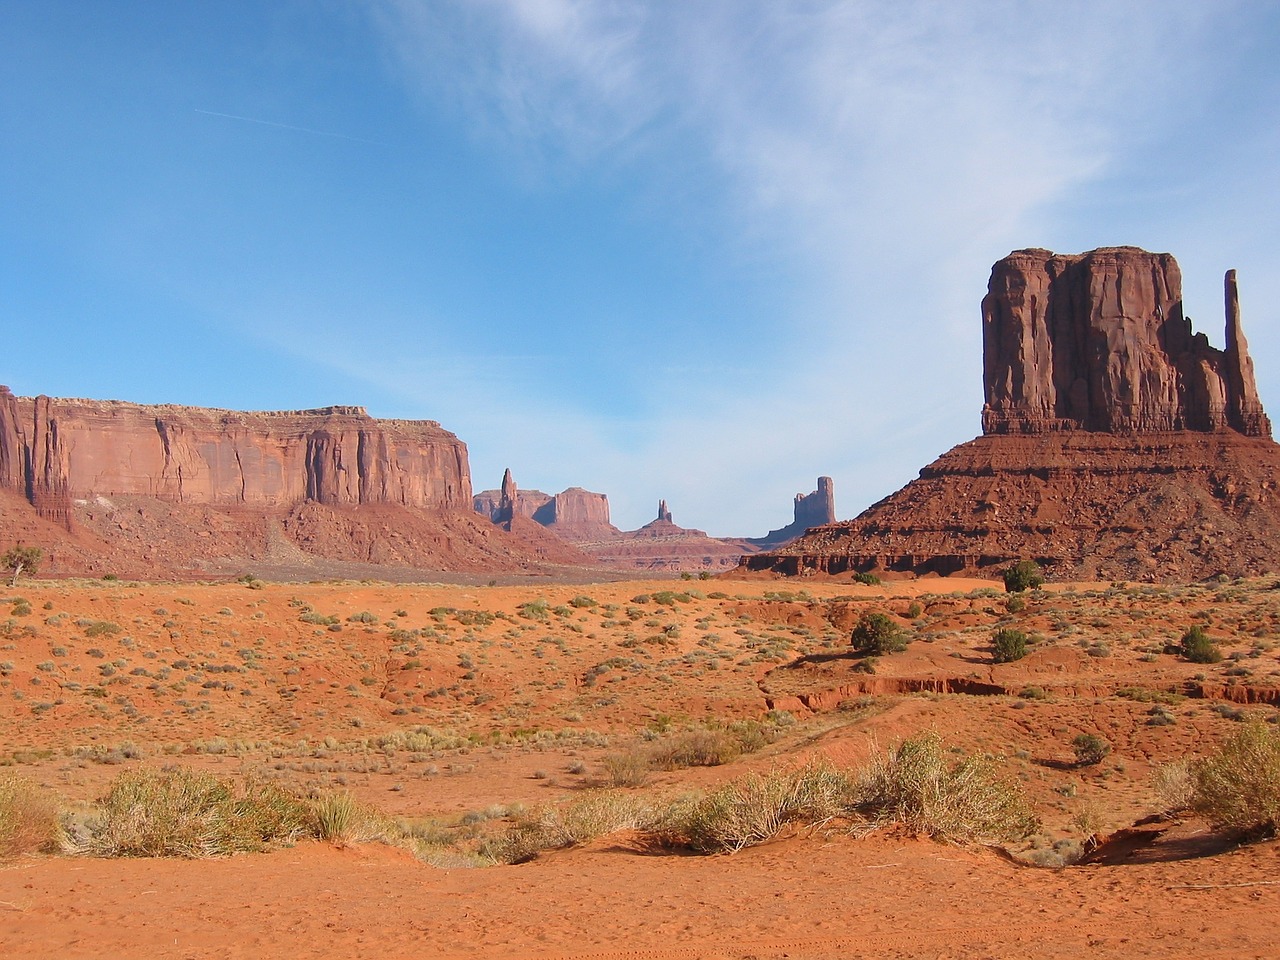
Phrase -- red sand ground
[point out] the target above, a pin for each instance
(228, 678)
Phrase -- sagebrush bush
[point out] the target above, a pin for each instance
(1239, 786)
(29, 819)
(629, 769)
(694, 748)
(878, 634)
(967, 800)
(182, 813)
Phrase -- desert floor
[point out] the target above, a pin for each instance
(455, 709)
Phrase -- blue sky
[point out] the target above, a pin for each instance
(705, 250)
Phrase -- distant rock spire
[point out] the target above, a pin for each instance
(663, 512)
(1244, 410)
(507, 501)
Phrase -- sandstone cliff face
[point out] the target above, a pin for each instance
(1118, 444)
(1098, 341)
(577, 514)
(56, 451)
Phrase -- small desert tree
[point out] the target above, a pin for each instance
(1198, 647)
(876, 634)
(1023, 575)
(19, 560)
(1009, 645)
(1090, 749)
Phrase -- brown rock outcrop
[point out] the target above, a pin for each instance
(1118, 444)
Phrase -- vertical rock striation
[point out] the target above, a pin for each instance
(1098, 341)
(56, 451)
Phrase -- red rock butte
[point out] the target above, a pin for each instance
(1117, 443)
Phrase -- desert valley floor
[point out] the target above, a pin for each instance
(453, 714)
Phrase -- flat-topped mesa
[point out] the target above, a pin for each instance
(55, 451)
(1097, 341)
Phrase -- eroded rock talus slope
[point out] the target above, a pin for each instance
(139, 488)
(1117, 442)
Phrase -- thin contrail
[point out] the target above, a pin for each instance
(288, 126)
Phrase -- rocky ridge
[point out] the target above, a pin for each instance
(1118, 444)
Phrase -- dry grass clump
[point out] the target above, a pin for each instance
(182, 813)
(550, 828)
(757, 807)
(709, 746)
(1238, 788)
(694, 748)
(1175, 786)
(341, 818)
(965, 801)
(29, 819)
(912, 784)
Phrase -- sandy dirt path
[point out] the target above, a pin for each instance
(805, 899)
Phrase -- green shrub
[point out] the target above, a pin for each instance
(1090, 749)
(878, 634)
(19, 560)
(1239, 787)
(629, 769)
(1023, 575)
(1009, 645)
(913, 784)
(1015, 604)
(582, 602)
(534, 610)
(870, 579)
(1198, 647)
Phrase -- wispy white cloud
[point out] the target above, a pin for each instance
(885, 153)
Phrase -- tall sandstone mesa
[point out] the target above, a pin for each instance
(1117, 442)
(159, 490)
